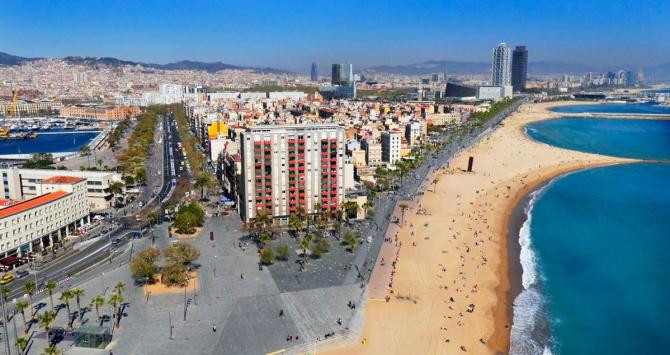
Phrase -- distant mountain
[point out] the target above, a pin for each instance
(465, 68)
(8, 59)
(657, 73)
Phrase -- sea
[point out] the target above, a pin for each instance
(643, 108)
(595, 245)
(57, 141)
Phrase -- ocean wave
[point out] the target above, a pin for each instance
(530, 328)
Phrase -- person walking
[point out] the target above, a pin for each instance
(213, 328)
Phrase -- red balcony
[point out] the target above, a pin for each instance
(292, 195)
(302, 175)
(292, 209)
(291, 168)
(301, 168)
(259, 204)
(257, 142)
(291, 140)
(333, 160)
(291, 162)
(301, 141)
(333, 179)
(292, 188)
(324, 154)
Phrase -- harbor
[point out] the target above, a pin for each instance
(62, 137)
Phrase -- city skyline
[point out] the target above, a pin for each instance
(565, 33)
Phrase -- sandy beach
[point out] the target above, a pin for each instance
(444, 285)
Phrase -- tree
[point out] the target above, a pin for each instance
(21, 307)
(51, 350)
(296, 223)
(350, 240)
(188, 218)
(152, 217)
(267, 256)
(22, 343)
(304, 244)
(129, 180)
(99, 163)
(435, 181)
(97, 301)
(143, 265)
(78, 294)
(116, 300)
(115, 188)
(140, 175)
(39, 161)
(181, 253)
(65, 297)
(119, 288)
(319, 248)
(29, 287)
(174, 274)
(202, 181)
(45, 320)
(283, 251)
(50, 286)
(403, 207)
(85, 150)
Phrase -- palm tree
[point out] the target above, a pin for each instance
(119, 288)
(21, 342)
(30, 287)
(21, 307)
(115, 300)
(50, 286)
(5, 293)
(45, 320)
(97, 301)
(78, 294)
(435, 181)
(65, 297)
(202, 181)
(115, 188)
(99, 163)
(403, 207)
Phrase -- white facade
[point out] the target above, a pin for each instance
(489, 92)
(21, 184)
(501, 67)
(40, 220)
(391, 146)
(413, 132)
(285, 168)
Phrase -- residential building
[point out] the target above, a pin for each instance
(519, 68)
(44, 219)
(373, 152)
(23, 184)
(413, 132)
(288, 167)
(391, 146)
(500, 66)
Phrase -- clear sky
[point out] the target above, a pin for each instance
(291, 34)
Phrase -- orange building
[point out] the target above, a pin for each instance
(103, 113)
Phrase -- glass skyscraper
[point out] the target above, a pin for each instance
(315, 72)
(342, 74)
(519, 68)
(500, 68)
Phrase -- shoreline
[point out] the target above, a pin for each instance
(457, 273)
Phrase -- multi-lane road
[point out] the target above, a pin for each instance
(115, 235)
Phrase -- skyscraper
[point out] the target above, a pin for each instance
(342, 74)
(519, 68)
(500, 68)
(315, 72)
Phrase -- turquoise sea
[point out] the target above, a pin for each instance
(595, 247)
(613, 108)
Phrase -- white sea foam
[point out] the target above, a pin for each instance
(529, 333)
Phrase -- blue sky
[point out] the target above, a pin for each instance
(292, 34)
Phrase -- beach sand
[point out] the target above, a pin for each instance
(451, 286)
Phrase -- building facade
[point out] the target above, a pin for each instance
(291, 167)
(314, 72)
(501, 66)
(342, 74)
(44, 219)
(519, 68)
(21, 184)
(391, 146)
(105, 113)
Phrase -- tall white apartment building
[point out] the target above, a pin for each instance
(413, 132)
(289, 168)
(391, 146)
(41, 220)
(501, 66)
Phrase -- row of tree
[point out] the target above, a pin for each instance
(179, 257)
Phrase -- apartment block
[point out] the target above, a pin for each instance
(291, 166)
(391, 146)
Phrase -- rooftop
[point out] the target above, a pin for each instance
(31, 203)
(62, 180)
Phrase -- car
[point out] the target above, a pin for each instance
(22, 274)
(116, 241)
(6, 279)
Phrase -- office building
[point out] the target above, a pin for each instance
(40, 221)
(391, 146)
(501, 66)
(314, 73)
(519, 68)
(23, 184)
(291, 166)
(342, 74)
